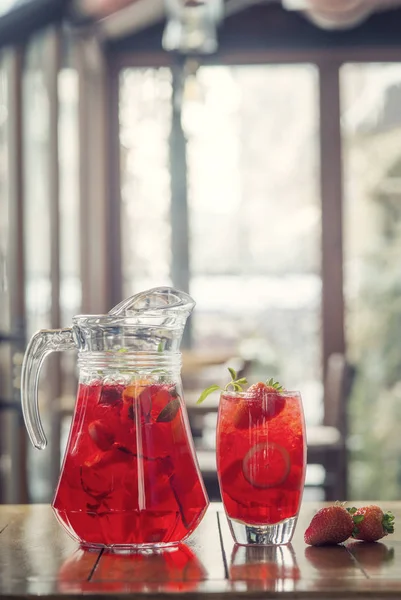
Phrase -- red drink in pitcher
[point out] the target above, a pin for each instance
(261, 461)
(129, 475)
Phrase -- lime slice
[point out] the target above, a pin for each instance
(266, 465)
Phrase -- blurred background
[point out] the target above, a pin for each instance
(248, 152)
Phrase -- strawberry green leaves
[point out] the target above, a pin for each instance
(236, 384)
(275, 384)
(388, 522)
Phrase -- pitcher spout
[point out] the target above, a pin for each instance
(151, 321)
(157, 301)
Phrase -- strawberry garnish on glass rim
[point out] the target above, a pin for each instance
(263, 402)
(269, 386)
(260, 401)
(237, 385)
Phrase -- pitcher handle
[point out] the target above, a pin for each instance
(41, 344)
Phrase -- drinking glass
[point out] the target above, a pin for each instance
(261, 462)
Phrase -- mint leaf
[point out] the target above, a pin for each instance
(170, 411)
(207, 392)
(232, 373)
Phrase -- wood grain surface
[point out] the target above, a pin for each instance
(38, 557)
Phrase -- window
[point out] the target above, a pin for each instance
(37, 237)
(145, 117)
(54, 382)
(255, 217)
(254, 210)
(371, 123)
(4, 217)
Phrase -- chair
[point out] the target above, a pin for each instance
(327, 443)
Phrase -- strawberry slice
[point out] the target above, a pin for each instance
(101, 434)
(132, 391)
(132, 394)
(266, 465)
(162, 396)
(111, 395)
(262, 402)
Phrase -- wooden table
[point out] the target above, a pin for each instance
(38, 558)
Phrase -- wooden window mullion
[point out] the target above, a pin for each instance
(333, 336)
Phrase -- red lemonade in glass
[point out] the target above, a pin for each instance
(261, 462)
(130, 476)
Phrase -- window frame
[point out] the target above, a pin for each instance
(103, 204)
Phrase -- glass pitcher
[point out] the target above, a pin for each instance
(130, 475)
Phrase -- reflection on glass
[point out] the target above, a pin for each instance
(176, 569)
(272, 568)
(371, 123)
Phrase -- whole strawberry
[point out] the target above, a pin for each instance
(264, 401)
(331, 525)
(371, 523)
